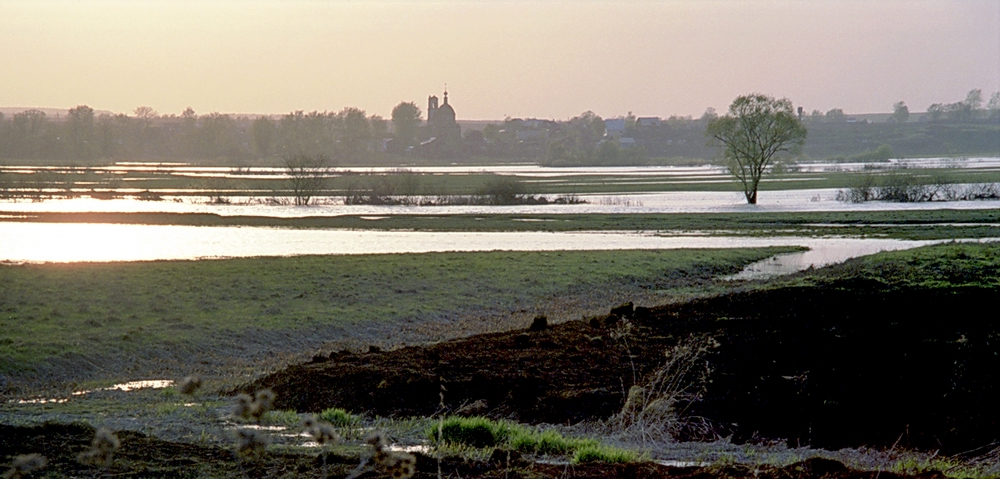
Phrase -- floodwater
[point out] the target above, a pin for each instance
(57, 242)
(199, 201)
(803, 200)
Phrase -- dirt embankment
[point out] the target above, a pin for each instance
(844, 365)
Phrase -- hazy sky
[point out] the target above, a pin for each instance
(529, 58)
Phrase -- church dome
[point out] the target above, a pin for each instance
(445, 113)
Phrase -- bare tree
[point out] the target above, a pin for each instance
(308, 176)
(757, 128)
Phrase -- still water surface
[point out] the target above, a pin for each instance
(818, 199)
(51, 242)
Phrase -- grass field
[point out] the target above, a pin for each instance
(104, 318)
(204, 420)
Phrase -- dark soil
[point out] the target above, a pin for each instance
(845, 365)
(142, 456)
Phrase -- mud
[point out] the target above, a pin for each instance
(844, 365)
(143, 456)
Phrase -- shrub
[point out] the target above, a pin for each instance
(902, 187)
(503, 190)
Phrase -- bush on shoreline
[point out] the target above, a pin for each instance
(899, 187)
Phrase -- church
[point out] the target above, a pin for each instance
(441, 124)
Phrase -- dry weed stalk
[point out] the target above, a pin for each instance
(190, 385)
(24, 465)
(102, 449)
(395, 464)
(321, 431)
(655, 410)
(250, 444)
(253, 407)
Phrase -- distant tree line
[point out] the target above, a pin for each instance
(351, 136)
(347, 135)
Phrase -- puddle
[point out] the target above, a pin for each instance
(259, 427)
(126, 386)
(143, 384)
(38, 401)
(420, 448)
(683, 463)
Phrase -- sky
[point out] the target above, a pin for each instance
(517, 58)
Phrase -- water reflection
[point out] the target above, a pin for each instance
(57, 242)
(126, 386)
(803, 200)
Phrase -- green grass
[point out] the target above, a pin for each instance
(287, 418)
(81, 312)
(340, 418)
(602, 453)
(944, 266)
(480, 432)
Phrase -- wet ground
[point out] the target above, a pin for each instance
(845, 365)
(143, 456)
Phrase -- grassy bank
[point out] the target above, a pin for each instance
(945, 266)
(914, 224)
(70, 317)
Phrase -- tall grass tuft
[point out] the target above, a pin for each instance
(599, 453)
(480, 432)
(340, 417)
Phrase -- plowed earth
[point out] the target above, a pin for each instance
(845, 365)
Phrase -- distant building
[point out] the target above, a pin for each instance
(614, 126)
(441, 119)
(647, 121)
